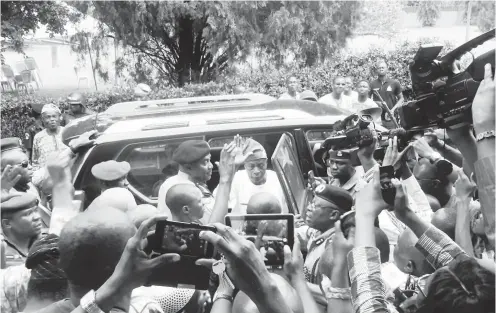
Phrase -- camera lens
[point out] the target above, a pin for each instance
(367, 118)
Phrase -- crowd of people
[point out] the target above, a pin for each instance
(353, 96)
(430, 250)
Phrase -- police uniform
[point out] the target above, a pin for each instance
(355, 183)
(343, 200)
(188, 152)
(15, 203)
(34, 127)
(75, 98)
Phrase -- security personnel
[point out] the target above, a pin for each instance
(77, 108)
(111, 174)
(327, 206)
(21, 226)
(34, 127)
(342, 173)
(193, 157)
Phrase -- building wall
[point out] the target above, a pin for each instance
(56, 64)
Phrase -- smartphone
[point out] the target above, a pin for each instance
(387, 189)
(269, 232)
(183, 239)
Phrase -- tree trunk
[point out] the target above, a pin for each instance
(183, 66)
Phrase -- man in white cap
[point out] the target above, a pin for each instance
(48, 140)
(254, 179)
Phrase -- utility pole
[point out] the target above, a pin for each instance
(469, 15)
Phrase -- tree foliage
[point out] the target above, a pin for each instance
(195, 41)
(382, 18)
(428, 12)
(20, 18)
(483, 14)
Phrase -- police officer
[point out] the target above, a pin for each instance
(21, 226)
(77, 108)
(193, 157)
(111, 174)
(342, 173)
(34, 127)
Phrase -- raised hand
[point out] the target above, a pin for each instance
(244, 265)
(423, 149)
(483, 105)
(293, 262)
(83, 140)
(464, 186)
(10, 177)
(58, 167)
(369, 200)
(240, 153)
(392, 156)
(226, 164)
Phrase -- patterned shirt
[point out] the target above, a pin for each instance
(45, 144)
(14, 288)
(367, 286)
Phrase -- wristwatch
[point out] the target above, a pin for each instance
(88, 303)
(484, 135)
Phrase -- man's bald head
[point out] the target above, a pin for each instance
(117, 197)
(243, 304)
(445, 220)
(263, 203)
(141, 213)
(91, 245)
(181, 195)
(407, 258)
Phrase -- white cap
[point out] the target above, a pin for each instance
(142, 90)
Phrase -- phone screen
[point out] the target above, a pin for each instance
(269, 235)
(387, 188)
(183, 239)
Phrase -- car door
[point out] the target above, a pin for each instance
(286, 164)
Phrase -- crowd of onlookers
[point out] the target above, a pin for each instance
(354, 96)
(430, 249)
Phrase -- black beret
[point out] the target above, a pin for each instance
(339, 155)
(110, 170)
(191, 151)
(340, 197)
(10, 144)
(19, 202)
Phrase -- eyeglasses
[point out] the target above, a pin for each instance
(260, 165)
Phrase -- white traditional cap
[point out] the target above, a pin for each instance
(50, 107)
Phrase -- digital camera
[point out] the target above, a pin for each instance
(443, 93)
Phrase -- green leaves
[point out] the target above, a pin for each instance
(19, 18)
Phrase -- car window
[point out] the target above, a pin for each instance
(151, 164)
(285, 162)
(318, 134)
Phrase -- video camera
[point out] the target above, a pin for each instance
(443, 94)
(355, 131)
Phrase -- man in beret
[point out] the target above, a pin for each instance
(48, 140)
(195, 167)
(111, 174)
(327, 206)
(342, 173)
(254, 179)
(21, 226)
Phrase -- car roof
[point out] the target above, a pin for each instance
(181, 130)
(191, 104)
